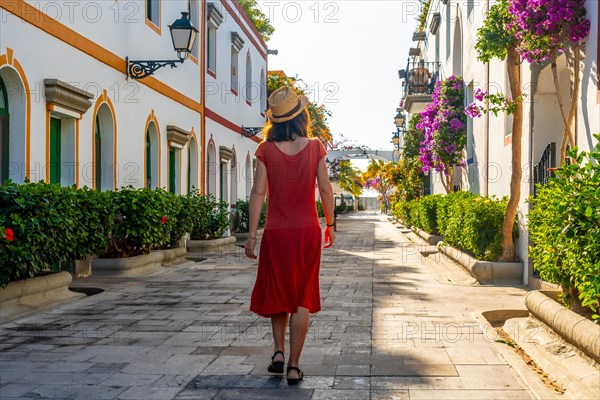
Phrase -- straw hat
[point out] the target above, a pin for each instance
(285, 104)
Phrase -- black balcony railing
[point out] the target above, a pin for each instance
(420, 77)
(542, 171)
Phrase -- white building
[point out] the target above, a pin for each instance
(69, 114)
(235, 99)
(447, 47)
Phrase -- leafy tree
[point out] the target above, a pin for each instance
(318, 113)
(349, 178)
(260, 20)
(496, 39)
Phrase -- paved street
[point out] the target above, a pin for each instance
(393, 326)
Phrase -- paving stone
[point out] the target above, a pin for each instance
(388, 330)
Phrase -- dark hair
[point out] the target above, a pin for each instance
(285, 131)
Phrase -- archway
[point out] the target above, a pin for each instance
(104, 147)
(457, 56)
(212, 168)
(152, 159)
(13, 130)
(192, 165)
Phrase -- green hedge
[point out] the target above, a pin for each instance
(467, 221)
(42, 225)
(210, 217)
(50, 224)
(242, 216)
(564, 226)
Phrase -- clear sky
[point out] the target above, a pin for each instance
(349, 53)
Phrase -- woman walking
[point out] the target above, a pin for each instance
(287, 283)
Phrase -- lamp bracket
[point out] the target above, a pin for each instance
(249, 132)
(144, 68)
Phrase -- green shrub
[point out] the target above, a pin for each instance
(241, 216)
(444, 210)
(50, 224)
(320, 211)
(144, 219)
(210, 217)
(183, 220)
(564, 226)
(425, 211)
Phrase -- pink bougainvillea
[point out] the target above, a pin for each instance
(444, 124)
(544, 28)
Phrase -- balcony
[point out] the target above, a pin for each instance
(420, 78)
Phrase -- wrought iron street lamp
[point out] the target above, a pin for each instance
(183, 34)
(399, 119)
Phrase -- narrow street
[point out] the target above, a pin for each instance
(393, 326)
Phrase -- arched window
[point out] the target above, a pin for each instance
(104, 149)
(4, 138)
(13, 131)
(249, 92)
(234, 180)
(248, 176)
(152, 163)
(192, 165)
(457, 49)
(263, 93)
(211, 169)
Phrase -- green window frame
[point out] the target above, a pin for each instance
(55, 150)
(98, 155)
(172, 169)
(4, 134)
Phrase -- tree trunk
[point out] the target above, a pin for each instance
(514, 78)
(447, 177)
(568, 138)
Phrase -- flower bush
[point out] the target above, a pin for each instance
(544, 28)
(48, 224)
(444, 124)
(144, 219)
(564, 226)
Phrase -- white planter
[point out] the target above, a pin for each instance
(243, 236)
(486, 272)
(29, 295)
(211, 245)
(572, 327)
(137, 264)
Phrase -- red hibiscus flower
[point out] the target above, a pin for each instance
(9, 234)
(164, 220)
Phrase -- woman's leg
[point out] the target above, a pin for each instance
(279, 324)
(298, 329)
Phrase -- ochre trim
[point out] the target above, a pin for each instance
(104, 99)
(8, 59)
(42, 21)
(152, 118)
(211, 73)
(226, 123)
(151, 24)
(236, 18)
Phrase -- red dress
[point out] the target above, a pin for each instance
(290, 250)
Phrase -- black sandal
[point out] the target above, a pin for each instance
(276, 367)
(294, 381)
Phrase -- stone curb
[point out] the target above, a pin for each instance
(486, 272)
(430, 239)
(575, 329)
(203, 245)
(23, 296)
(242, 236)
(123, 266)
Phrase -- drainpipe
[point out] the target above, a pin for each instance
(487, 122)
(203, 28)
